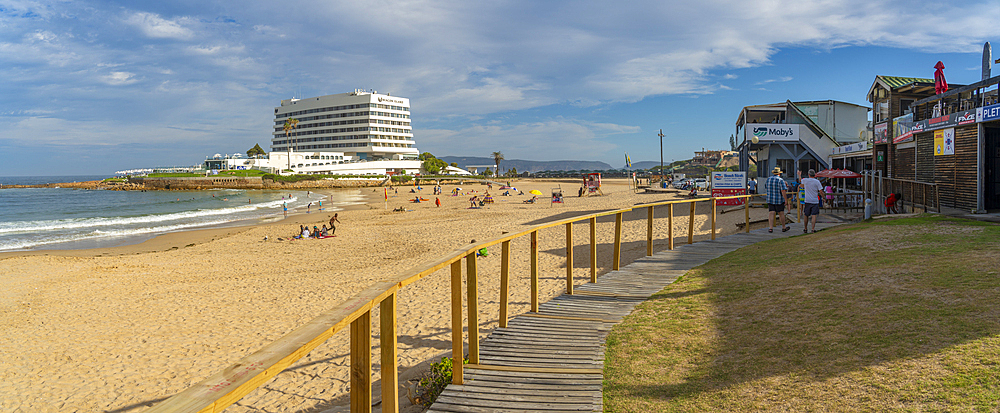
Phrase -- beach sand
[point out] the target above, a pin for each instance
(120, 329)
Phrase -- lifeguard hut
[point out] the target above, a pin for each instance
(592, 184)
(557, 196)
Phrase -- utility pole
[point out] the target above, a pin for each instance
(663, 179)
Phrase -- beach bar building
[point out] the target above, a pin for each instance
(952, 140)
(797, 136)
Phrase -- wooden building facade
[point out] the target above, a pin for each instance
(950, 139)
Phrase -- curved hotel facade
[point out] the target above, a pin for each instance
(361, 125)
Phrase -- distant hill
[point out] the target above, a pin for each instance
(528, 166)
(647, 164)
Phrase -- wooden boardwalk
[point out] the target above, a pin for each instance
(553, 360)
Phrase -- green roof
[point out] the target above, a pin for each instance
(896, 81)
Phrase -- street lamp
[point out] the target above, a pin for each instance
(663, 181)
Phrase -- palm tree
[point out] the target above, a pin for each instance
(497, 157)
(290, 124)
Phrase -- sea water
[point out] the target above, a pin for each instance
(64, 218)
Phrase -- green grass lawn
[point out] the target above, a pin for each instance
(897, 315)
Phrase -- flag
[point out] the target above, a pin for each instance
(628, 162)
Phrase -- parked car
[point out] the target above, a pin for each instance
(701, 183)
(680, 183)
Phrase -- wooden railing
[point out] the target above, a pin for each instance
(224, 388)
(923, 196)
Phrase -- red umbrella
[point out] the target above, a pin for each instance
(940, 85)
(837, 173)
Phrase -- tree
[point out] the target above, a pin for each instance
(488, 172)
(290, 124)
(511, 172)
(433, 165)
(455, 164)
(497, 157)
(256, 151)
(425, 156)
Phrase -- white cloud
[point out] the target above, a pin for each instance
(544, 140)
(120, 78)
(153, 25)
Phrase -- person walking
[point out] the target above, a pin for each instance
(752, 186)
(812, 188)
(333, 227)
(775, 190)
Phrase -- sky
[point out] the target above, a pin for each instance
(92, 87)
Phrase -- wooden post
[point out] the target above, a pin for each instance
(937, 197)
(457, 347)
(534, 271)
(569, 258)
(913, 203)
(691, 224)
(593, 249)
(472, 290)
(504, 281)
(390, 368)
(649, 231)
(713, 218)
(361, 364)
(670, 226)
(616, 265)
(746, 211)
(923, 197)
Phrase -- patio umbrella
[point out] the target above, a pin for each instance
(940, 85)
(837, 173)
(535, 192)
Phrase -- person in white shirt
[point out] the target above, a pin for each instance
(813, 189)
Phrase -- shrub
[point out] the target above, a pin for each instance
(435, 381)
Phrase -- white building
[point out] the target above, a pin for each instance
(364, 126)
(357, 133)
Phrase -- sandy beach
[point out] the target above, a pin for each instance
(120, 329)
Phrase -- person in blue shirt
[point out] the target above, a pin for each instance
(775, 190)
(752, 186)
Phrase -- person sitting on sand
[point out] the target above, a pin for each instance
(315, 233)
(305, 232)
(323, 231)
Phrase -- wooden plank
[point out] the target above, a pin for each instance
(504, 282)
(670, 226)
(649, 230)
(593, 249)
(388, 344)
(691, 225)
(534, 271)
(361, 364)
(569, 258)
(713, 217)
(457, 341)
(534, 369)
(554, 405)
(618, 242)
(602, 320)
(472, 302)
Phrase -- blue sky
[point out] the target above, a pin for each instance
(91, 87)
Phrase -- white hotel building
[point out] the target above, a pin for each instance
(360, 126)
(356, 133)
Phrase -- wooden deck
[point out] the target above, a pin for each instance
(553, 360)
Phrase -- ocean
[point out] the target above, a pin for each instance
(63, 218)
